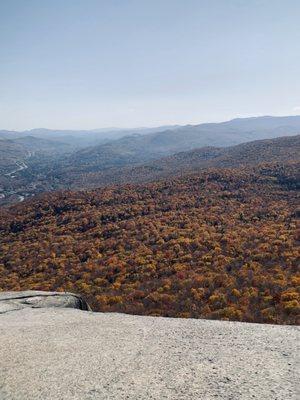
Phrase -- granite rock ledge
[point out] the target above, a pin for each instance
(12, 301)
(51, 349)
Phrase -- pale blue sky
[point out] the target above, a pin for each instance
(94, 63)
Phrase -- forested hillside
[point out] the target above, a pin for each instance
(280, 149)
(66, 159)
(134, 149)
(10, 154)
(219, 244)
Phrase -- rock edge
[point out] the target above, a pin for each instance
(13, 301)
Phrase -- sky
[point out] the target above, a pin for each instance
(84, 64)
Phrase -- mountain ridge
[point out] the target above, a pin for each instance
(58, 162)
(164, 143)
(280, 149)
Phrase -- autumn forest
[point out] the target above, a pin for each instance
(217, 244)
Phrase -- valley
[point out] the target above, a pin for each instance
(43, 160)
(136, 226)
(149, 200)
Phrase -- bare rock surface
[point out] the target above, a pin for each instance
(67, 354)
(12, 301)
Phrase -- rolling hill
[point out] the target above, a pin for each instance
(77, 139)
(11, 153)
(246, 154)
(53, 160)
(46, 146)
(17, 150)
(219, 244)
(140, 148)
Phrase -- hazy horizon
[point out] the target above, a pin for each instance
(112, 128)
(97, 64)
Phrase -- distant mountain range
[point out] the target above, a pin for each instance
(278, 150)
(18, 146)
(43, 159)
(139, 148)
(76, 139)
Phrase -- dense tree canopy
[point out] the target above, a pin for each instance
(219, 244)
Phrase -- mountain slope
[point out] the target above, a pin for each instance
(135, 158)
(47, 146)
(11, 153)
(220, 244)
(139, 148)
(261, 151)
(77, 139)
(15, 151)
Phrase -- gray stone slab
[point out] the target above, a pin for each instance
(68, 354)
(10, 301)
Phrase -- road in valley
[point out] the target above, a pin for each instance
(21, 165)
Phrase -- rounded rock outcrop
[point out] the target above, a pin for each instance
(11, 301)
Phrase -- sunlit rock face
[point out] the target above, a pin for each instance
(11, 301)
(51, 349)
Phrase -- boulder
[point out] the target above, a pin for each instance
(11, 301)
